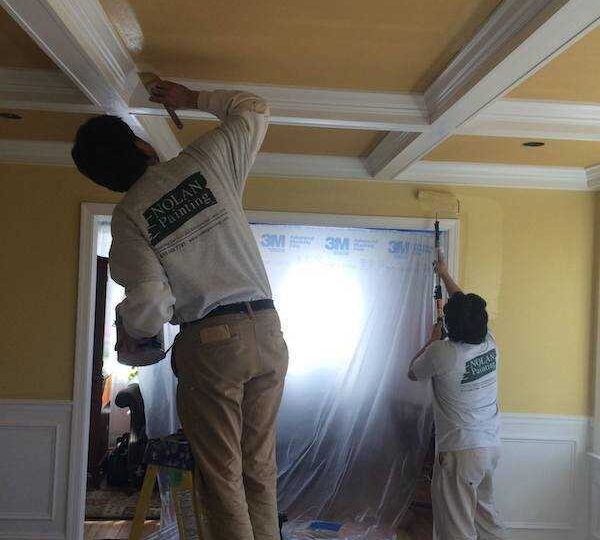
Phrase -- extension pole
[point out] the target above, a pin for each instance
(437, 293)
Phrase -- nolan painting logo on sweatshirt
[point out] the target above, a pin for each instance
(181, 204)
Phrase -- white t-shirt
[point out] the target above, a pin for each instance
(465, 390)
(181, 242)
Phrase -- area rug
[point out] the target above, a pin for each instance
(114, 504)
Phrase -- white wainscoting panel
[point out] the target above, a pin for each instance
(34, 457)
(541, 482)
(594, 496)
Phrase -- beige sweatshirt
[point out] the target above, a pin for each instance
(181, 243)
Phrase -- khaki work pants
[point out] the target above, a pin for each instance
(231, 372)
(462, 493)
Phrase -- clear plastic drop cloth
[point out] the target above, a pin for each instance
(353, 430)
(158, 386)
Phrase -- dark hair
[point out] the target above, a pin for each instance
(105, 151)
(466, 318)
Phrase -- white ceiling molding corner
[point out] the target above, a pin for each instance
(79, 37)
(519, 38)
(593, 177)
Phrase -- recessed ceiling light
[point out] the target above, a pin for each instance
(533, 144)
(10, 116)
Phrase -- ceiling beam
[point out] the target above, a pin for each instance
(289, 166)
(78, 36)
(52, 90)
(316, 107)
(518, 39)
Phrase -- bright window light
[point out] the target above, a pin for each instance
(323, 310)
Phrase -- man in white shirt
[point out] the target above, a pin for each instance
(463, 371)
(185, 253)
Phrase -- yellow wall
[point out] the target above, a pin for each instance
(38, 270)
(529, 252)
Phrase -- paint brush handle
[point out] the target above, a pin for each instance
(174, 117)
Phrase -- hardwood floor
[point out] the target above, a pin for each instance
(114, 530)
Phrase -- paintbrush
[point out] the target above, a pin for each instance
(148, 78)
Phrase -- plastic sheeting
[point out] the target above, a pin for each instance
(353, 430)
(355, 305)
(159, 389)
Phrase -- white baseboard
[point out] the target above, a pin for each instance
(594, 461)
(541, 482)
(34, 452)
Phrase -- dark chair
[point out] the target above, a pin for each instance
(138, 439)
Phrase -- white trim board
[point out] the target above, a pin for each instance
(594, 460)
(290, 166)
(92, 215)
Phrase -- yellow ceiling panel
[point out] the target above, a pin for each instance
(41, 126)
(395, 45)
(17, 49)
(572, 76)
(299, 140)
(511, 151)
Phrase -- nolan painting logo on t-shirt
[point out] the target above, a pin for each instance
(479, 367)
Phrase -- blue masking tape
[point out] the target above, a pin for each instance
(325, 526)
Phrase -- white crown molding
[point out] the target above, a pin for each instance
(542, 119)
(35, 152)
(519, 38)
(328, 108)
(44, 89)
(290, 166)
(79, 37)
(309, 166)
(496, 175)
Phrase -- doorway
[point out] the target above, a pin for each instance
(92, 217)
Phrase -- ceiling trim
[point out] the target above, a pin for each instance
(318, 107)
(542, 119)
(289, 166)
(51, 90)
(326, 108)
(519, 38)
(307, 166)
(35, 152)
(79, 37)
(593, 175)
(496, 175)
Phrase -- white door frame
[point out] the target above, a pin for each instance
(92, 214)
